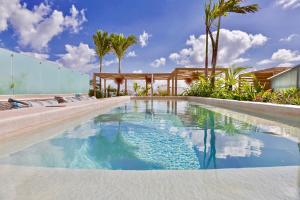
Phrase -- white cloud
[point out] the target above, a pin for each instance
(80, 57)
(76, 19)
(285, 4)
(144, 39)
(131, 54)
(158, 62)
(233, 44)
(239, 145)
(289, 38)
(264, 62)
(109, 62)
(240, 60)
(286, 55)
(258, 39)
(282, 57)
(138, 71)
(41, 56)
(1, 43)
(37, 27)
(286, 65)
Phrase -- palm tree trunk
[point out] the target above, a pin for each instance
(100, 72)
(118, 90)
(119, 65)
(215, 54)
(206, 54)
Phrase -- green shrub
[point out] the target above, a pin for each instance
(98, 94)
(247, 92)
(201, 88)
(161, 92)
(143, 91)
(244, 92)
(91, 93)
(286, 96)
(264, 96)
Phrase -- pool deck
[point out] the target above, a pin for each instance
(226, 184)
(18, 182)
(20, 121)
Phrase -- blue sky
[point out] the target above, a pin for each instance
(49, 29)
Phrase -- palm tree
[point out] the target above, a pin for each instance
(219, 10)
(232, 76)
(102, 46)
(119, 45)
(207, 27)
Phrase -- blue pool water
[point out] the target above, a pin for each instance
(145, 135)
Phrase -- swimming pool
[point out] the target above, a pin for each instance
(164, 135)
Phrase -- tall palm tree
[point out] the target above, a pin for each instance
(119, 45)
(220, 9)
(207, 27)
(102, 46)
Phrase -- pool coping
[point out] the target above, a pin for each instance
(270, 110)
(32, 183)
(21, 121)
(24, 97)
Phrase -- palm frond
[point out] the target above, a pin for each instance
(120, 44)
(102, 43)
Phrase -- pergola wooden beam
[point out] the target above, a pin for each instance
(134, 76)
(176, 75)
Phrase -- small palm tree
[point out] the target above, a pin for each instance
(102, 46)
(232, 76)
(119, 45)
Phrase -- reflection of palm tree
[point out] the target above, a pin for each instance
(228, 126)
(103, 150)
(116, 153)
(135, 107)
(206, 120)
(205, 141)
(109, 118)
(212, 140)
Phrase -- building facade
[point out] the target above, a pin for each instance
(289, 78)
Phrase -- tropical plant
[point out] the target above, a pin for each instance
(102, 46)
(215, 13)
(232, 76)
(144, 91)
(110, 89)
(119, 45)
(136, 87)
(286, 96)
(246, 92)
(200, 88)
(161, 92)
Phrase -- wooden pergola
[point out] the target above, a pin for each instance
(187, 74)
(263, 76)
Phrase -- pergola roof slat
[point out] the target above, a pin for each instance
(181, 73)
